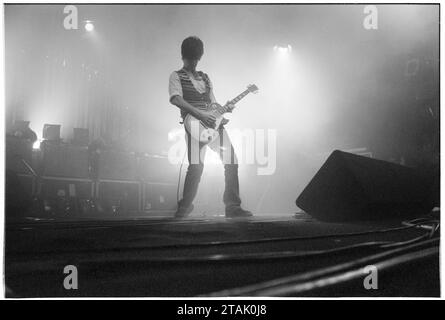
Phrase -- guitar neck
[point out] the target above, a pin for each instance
(240, 96)
(223, 109)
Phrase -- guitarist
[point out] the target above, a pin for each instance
(191, 91)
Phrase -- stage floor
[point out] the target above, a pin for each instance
(274, 255)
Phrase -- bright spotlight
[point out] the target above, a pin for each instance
(36, 144)
(89, 26)
(283, 49)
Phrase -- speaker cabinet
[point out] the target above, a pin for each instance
(18, 191)
(352, 187)
(54, 187)
(119, 196)
(157, 169)
(18, 151)
(114, 165)
(28, 183)
(159, 197)
(61, 160)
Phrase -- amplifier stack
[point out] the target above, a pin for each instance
(159, 183)
(100, 181)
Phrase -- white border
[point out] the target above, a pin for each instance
(2, 146)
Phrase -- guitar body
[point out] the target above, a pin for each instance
(199, 131)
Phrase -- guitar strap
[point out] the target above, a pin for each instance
(206, 80)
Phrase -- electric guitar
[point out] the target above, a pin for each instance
(199, 131)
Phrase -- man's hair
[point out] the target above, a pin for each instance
(192, 48)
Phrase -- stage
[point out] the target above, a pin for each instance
(267, 255)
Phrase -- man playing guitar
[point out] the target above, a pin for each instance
(192, 91)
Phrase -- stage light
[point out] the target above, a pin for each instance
(283, 49)
(89, 26)
(36, 144)
(212, 158)
(176, 134)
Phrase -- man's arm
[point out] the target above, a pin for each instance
(185, 106)
(208, 118)
(175, 92)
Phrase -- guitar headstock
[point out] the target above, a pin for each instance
(252, 88)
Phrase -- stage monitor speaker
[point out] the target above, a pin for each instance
(352, 187)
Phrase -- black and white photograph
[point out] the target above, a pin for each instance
(228, 150)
